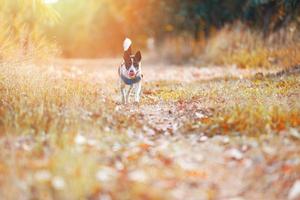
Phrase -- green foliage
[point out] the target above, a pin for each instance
(205, 14)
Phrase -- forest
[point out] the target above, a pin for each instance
(91, 25)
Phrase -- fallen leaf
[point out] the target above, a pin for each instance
(80, 139)
(294, 133)
(203, 138)
(196, 173)
(58, 182)
(42, 175)
(106, 174)
(234, 154)
(144, 146)
(294, 192)
(138, 175)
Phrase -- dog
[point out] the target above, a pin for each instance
(130, 73)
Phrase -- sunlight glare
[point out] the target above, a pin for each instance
(50, 1)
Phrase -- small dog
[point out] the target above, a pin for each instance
(130, 73)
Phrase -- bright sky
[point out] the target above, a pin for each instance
(50, 1)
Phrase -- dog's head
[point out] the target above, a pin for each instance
(132, 63)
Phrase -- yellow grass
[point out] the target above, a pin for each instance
(22, 30)
(66, 138)
(251, 107)
(238, 45)
(245, 48)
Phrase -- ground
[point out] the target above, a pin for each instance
(198, 133)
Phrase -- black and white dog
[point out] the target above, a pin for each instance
(130, 73)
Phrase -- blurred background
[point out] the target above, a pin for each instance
(246, 33)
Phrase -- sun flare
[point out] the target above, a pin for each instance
(50, 1)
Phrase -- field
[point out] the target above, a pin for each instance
(198, 133)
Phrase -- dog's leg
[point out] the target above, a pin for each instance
(137, 89)
(128, 94)
(123, 94)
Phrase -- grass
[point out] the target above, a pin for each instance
(22, 30)
(64, 136)
(237, 45)
(251, 107)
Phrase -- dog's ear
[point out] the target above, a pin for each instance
(138, 56)
(128, 51)
(126, 57)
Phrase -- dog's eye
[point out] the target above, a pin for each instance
(136, 65)
(127, 65)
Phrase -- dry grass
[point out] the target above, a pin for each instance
(236, 45)
(180, 50)
(22, 30)
(250, 107)
(47, 110)
(62, 137)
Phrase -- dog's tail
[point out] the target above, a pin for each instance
(127, 45)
